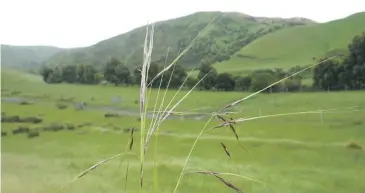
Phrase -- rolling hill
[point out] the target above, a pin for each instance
(296, 46)
(26, 57)
(226, 35)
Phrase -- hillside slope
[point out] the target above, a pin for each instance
(225, 36)
(297, 45)
(26, 57)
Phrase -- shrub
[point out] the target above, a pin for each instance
(61, 106)
(53, 127)
(32, 134)
(110, 115)
(30, 120)
(3, 133)
(25, 103)
(354, 146)
(70, 126)
(10, 119)
(21, 129)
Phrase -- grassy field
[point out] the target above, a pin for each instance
(295, 46)
(298, 153)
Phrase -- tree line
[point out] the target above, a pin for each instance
(336, 74)
(346, 73)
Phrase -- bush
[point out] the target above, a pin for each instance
(70, 127)
(53, 127)
(25, 103)
(21, 129)
(3, 133)
(32, 134)
(354, 146)
(109, 115)
(30, 120)
(10, 119)
(61, 106)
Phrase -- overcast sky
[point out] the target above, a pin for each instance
(77, 23)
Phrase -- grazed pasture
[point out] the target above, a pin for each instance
(297, 153)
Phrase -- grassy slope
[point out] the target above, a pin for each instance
(228, 29)
(26, 57)
(292, 154)
(296, 46)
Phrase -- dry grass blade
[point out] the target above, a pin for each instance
(148, 47)
(216, 174)
(164, 117)
(287, 114)
(226, 150)
(93, 167)
(277, 82)
(229, 123)
(131, 139)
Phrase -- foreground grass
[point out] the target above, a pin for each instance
(291, 154)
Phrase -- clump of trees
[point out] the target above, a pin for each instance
(83, 74)
(347, 73)
(339, 74)
(257, 80)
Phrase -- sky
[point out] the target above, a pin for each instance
(80, 23)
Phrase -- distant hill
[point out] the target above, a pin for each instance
(227, 35)
(297, 45)
(26, 57)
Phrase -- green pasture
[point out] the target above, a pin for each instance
(297, 153)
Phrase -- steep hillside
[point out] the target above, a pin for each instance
(26, 57)
(297, 45)
(226, 35)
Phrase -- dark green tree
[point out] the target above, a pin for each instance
(110, 74)
(243, 83)
(225, 82)
(210, 74)
(69, 74)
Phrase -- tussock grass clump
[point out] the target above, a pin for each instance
(61, 106)
(66, 99)
(10, 119)
(34, 120)
(17, 119)
(111, 115)
(20, 129)
(3, 133)
(26, 103)
(15, 92)
(70, 126)
(87, 124)
(54, 127)
(33, 134)
(354, 146)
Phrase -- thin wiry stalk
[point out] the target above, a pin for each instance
(93, 167)
(164, 96)
(279, 115)
(169, 112)
(231, 174)
(191, 150)
(168, 105)
(157, 97)
(187, 48)
(152, 123)
(273, 84)
(215, 174)
(233, 104)
(144, 80)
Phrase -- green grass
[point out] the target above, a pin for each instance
(290, 153)
(295, 46)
